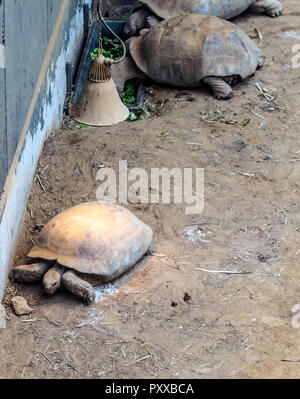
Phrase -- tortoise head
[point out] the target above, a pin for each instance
(134, 24)
(52, 280)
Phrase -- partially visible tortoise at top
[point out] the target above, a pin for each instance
(190, 49)
(99, 240)
(153, 11)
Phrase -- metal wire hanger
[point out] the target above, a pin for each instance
(100, 40)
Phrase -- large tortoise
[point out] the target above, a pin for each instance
(154, 11)
(93, 238)
(189, 49)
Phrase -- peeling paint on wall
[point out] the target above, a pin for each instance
(46, 115)
(2, 56)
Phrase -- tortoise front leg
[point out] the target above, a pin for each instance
(273, 8)
(52, 279)
(30, 273)
(78, 287)
(220, 88)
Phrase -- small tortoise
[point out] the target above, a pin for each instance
(93, 238)
(154, 11)
(189, 49)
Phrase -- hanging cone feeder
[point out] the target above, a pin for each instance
(99, 103)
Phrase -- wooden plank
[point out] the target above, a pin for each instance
(85, 63)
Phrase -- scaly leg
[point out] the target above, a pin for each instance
(220, 88)
(273, 8)
(78, 287)
(29, 273)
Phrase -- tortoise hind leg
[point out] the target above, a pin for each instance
(78, 287)
(273, 8)
(220, 88)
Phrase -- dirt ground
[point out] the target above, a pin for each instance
(165, 318)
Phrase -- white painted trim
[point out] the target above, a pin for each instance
(17, 186)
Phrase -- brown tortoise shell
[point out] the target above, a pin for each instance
(183, 50)
(98, 238)
(224, 9)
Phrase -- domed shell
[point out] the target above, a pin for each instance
(224, 9)
(94, 237)
(183, 50)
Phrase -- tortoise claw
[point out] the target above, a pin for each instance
(226, 97)
(221, 89)
(275, 12)
(89, 297)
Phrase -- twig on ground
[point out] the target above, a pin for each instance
(223, 271)
(260, 37)
(139, 360)
(40, 181)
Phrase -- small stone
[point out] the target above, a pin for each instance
(21, 306)
(262, 258)
(238, 146)
(187, 298)
(2, 317)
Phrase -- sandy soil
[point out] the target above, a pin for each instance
(165, 318)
